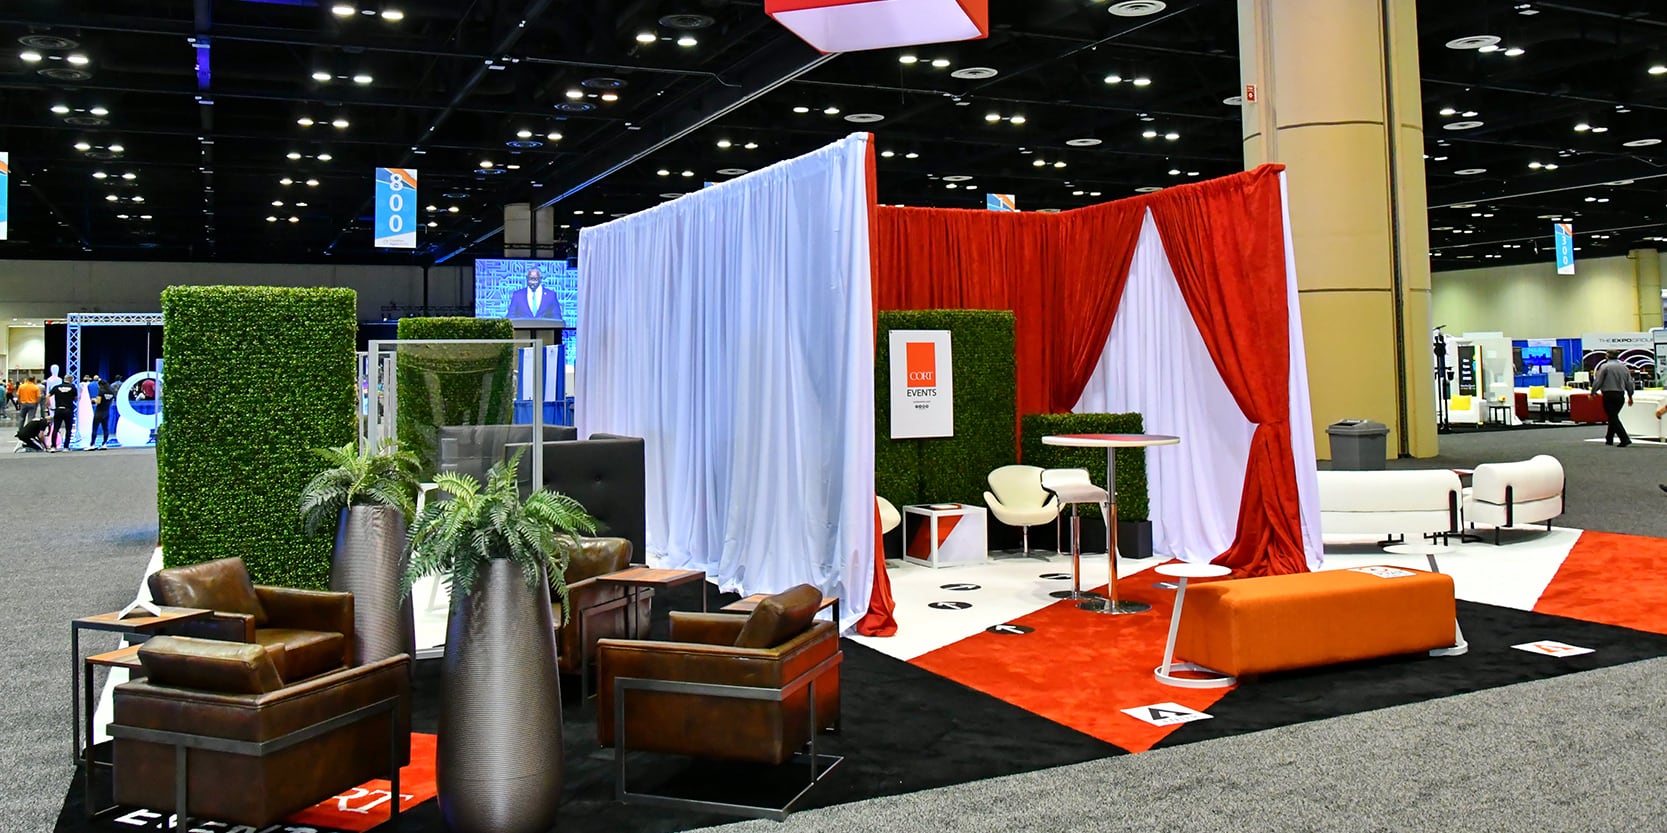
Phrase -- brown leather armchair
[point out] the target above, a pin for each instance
(252, 749)
(308, 632)
(754, 689)
(598, 610)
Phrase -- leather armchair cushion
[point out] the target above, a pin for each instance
(299, 654)
(209, 665)
(780, 618)
(222, 585)
(597, 557)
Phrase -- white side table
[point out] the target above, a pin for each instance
(1430, 551)
(947, 535)
(1165, 673)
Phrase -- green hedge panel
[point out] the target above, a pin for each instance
(1131, 462)
(470, 387)
(257, 377)
(950, 468)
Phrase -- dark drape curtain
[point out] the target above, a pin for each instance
(1226, 242)
(1061, 275)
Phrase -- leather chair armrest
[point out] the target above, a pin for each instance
(313, 610)
(227, 627)
(706, 628)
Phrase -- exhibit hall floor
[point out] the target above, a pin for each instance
(952, 726)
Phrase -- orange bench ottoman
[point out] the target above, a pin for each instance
(1302, 620)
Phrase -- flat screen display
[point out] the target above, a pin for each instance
(527, 289)
(1536, 356)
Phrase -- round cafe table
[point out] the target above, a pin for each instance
(1111, 442)
(1165, 673)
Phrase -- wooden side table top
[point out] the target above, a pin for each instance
(750, 603)
(120, 658)
(652, 577)
(112, 621)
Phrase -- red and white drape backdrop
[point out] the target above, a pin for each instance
(1210, 259)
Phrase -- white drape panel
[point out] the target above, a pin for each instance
(733, 330)
(1155, 363)
(1302, 421)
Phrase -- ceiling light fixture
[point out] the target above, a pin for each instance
(725, 143)
(312, 183)
(130, 176)
(801, 109)
(1582, 127)
(325, 157)
(116, 149)
(940, 63)
(362, 78)
(1137, 8)
(553, 136)
(1142, 81)
(100, 175)
(321, 76)
(687, 41)
(1514, 51)
(60, 109)
(1172, 136)
(304, 121)
(1473, 42)
(393, 15)
(293, 155)
(647, 37)
(575, 94)
(992, 117)
(523, 134)
(342, 10)
(1448, 111)
(1114, 78)
(1017, 120)
(908, 59)
(887, 154)
(831, 111)
(911, 155)
(339, 124)
(750, 146)
(1658, 69)
(30, 57)
(286, 181)
(78, 59)
(685, 173)
(610, 97)
(83, 146)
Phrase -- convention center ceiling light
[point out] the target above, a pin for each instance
(1462, 125)
(1470, 171)
(553, 136)
(940, 63)
(393, 15)
(1082, 143)
(1658, 69)
(342, 10)
(362, 79)
(322, 77)
(30, 56)
(1233, 100)
(1514, 51)
(974, 73)
(687, 41)
(1114, 78)
(887, 154)
(869, 118)
(304, 121)
(801, 109)
(856, 25)
(339, 123)
(647, 37)
(1137, 8)
(1473, 42)
(732, 171)
(1141, 81)
(831, 111)
(1147, 189)
(1641, 143)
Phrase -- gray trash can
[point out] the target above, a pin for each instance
(1357, 444)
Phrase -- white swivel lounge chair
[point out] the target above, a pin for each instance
(1016, 498)
(1515, 494)
(889, 516)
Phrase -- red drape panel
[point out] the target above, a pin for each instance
(1061, 275)
(879, 620)
(1226, 242)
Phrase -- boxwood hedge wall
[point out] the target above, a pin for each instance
(467, 386)
(950, 468)
(1131, 462)
(257, 377)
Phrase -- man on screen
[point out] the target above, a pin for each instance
(533, 302)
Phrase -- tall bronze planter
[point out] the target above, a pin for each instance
(499, 761)
(370, 561)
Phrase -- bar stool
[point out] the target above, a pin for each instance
(1072, 486)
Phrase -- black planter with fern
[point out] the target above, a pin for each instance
(367, 497)
(498, 765)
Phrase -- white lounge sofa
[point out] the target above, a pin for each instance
(1639, 418)
(1403, 502)
(1515, 494)
(1469, 414)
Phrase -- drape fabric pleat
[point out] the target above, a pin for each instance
(733, 330)
(1064, 275)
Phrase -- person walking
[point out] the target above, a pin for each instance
(1613, 381)
(28, 400)
(63, 413)
(102, 400)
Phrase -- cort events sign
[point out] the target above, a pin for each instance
(922, 385)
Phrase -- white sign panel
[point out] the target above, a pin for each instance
(1165, 714)
(922, 385)
(1552, 648)
(1383, 572)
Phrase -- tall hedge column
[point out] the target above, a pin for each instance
(254, 378)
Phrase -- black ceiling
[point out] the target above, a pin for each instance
(450, 84)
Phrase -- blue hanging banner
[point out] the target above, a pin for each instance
(1563, 234)
(1001, 202)
(5, 184)
(396, 208)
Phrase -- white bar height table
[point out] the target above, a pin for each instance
(1111, 442)
(1430, 550)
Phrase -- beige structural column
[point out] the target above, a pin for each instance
(1337, 102)
(520, 239)
(1646, 265)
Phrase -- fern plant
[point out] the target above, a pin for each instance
(384, 477)
(456, 538)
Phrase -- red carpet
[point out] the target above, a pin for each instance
(1079, 668)
(366, 805)
(1612, 579)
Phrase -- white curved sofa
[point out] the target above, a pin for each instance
(1515, 494)
(1639, 418)
(1401, 502)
